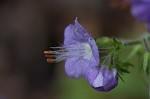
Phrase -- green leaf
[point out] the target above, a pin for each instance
(123, 67)
(146, 61)
(120, 77)
(122, 70)
(126, 64)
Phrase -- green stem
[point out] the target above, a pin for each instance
(138, 41)
(147, 49)
(108, 56)
(130, 43)
(145, 43)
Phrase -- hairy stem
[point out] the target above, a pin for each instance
(145, 43)
(138, 41)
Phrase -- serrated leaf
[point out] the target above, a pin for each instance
(146, 61)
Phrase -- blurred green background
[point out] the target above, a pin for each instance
(28, 27)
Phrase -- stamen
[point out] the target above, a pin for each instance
(49, 56)
(49, 60)
(65, 52)
(48, 52)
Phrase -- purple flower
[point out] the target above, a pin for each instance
(102, 79)
(82, 58)
(141, 10)
(79, 50)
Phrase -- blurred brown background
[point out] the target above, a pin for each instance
(28, 27)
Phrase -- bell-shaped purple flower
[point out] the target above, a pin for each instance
(79, 50)
(102, 79)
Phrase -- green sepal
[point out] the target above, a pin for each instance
(123, 67)
(121, 77)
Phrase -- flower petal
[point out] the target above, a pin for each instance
(75, 33)
(76, 67)
(91, 74)
(69, 36)
(94, 61)
(106, 80)
(140, 9)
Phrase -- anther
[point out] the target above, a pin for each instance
(49, 56)
(49, 60)
(48, 52)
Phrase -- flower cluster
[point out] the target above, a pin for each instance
(82, 59)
